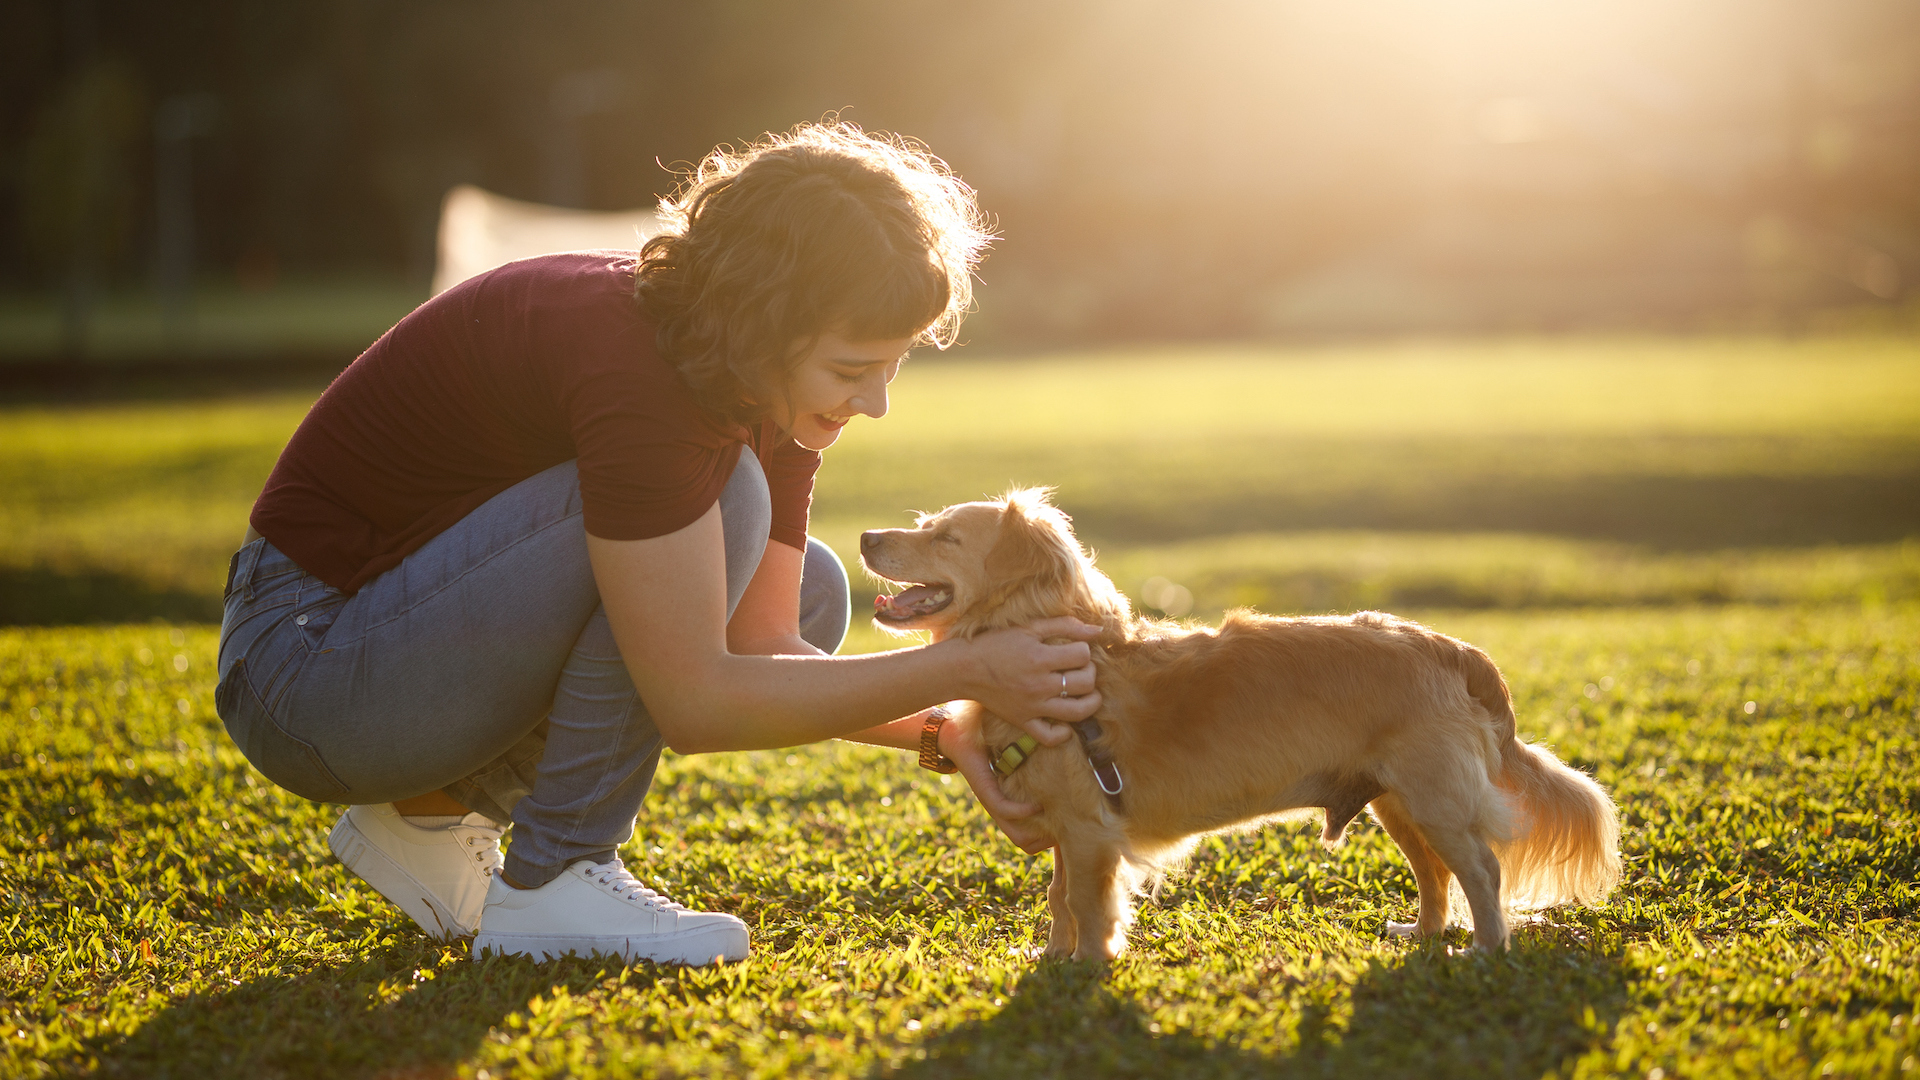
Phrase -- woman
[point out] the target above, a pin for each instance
(556, 518)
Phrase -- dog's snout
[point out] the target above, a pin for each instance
(869, 540)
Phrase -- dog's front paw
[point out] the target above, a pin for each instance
(1405, 929)
(1102, 949)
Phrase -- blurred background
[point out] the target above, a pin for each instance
(1160, 170)
(1304, 305)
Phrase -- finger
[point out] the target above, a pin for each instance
(1031, 841)
(1000, 807)
(1072, 710)
(1030, 836)
(986, 787)
(1079, 681)
(1066, 626)
(1048, 732)
(1068, 656)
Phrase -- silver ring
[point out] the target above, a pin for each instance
(1063, 684)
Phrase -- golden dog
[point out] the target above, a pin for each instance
(1212, 728)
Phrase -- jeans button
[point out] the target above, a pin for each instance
(299, 620)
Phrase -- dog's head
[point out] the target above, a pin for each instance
(983, 565)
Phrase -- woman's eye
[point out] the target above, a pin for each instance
(846, 378)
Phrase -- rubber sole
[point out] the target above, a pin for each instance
(391, 880)
(694, 948)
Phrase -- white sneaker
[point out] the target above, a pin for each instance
(437, 875)
(600, 908)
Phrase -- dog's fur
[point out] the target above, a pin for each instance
(1216, 728)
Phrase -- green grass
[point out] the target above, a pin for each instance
(297, 317)
(1666, 472)
(1651, 537)
(1699, 444)
(168, 913)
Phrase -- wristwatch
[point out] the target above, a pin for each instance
(930, 755)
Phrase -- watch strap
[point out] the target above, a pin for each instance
(930, 755)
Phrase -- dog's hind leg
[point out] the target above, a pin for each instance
(1478, 869)
(1095, 898)
(1060, 937)
(1429, 872)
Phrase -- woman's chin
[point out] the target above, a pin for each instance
(816, 436)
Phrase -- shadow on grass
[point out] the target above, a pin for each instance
(1424, 1014)
(330, 1022)
(39, 596)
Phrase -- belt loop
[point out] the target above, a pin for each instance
(240, 568)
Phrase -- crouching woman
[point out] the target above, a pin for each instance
(556, 519)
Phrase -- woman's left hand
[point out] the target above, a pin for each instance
(963, 743)
(1043, 687)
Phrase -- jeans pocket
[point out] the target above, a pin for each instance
(316, 609)
(285, 759)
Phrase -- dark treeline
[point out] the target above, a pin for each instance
(1158, 168)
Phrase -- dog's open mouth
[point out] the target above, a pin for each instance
(912, 602)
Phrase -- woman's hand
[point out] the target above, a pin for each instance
(963, 743)
(1039, 686)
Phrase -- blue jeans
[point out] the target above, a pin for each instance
(483, 665)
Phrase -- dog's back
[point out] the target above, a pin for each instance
(1220, 727)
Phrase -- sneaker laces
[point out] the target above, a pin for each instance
(484, 834)
(616, 876)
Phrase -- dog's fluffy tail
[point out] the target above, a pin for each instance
(1566, 845)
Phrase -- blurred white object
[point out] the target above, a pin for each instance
(480, 230)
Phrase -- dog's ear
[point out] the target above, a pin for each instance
(1017, 551)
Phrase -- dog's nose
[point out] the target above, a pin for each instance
(869, 540)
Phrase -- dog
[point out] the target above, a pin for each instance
(1205, 729)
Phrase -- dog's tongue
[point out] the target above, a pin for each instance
(911, 601)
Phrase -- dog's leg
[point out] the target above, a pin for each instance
(1060, 937)
(1094, 899)
(1478, 869)
(1429, 872)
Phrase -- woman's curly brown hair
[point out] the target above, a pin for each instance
(823, 228)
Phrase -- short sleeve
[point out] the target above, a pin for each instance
(651, 462)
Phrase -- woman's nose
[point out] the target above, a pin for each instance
(872, 399)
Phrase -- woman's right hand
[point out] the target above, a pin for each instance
(963, 743)
(1042, 687)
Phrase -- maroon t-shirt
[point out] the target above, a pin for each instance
(498, 378)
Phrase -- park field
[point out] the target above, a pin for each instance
(168, 913)
(1696, 561)
(1584, 471)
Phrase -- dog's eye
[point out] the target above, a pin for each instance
(946, 537)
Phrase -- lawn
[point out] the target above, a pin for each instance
(171, 914)
(1695, 561)
(329, 317)
(1717, 468)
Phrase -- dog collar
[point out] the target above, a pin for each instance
(1105, 772)
(1014, 756)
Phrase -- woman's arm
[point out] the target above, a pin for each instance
(666, 600)
(767, 622)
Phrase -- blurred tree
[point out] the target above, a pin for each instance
(1213, 167)
(78, 185)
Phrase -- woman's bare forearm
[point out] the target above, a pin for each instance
(763, 702)
(666, 601)
(901, 734)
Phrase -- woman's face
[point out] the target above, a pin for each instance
(835, 380)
